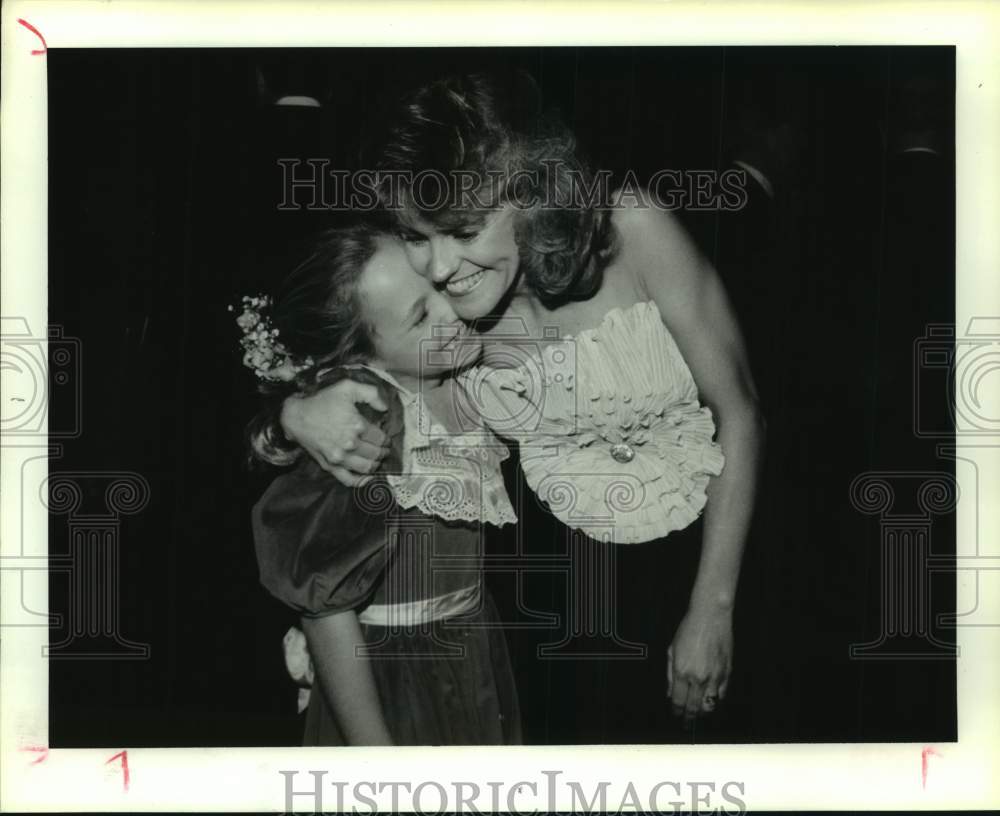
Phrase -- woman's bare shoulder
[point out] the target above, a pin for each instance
(641, 222)
(651, 241)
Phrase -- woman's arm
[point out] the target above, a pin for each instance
(345, 678)
(696, 310)
(329, 427)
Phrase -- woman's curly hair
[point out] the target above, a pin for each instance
(486, 142)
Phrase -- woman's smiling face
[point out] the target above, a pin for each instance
(474, 265)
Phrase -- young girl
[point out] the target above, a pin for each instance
(654, 334)
(403, 637)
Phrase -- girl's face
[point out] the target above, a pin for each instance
(474, 266)
(415, 330)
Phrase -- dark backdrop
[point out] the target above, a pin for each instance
(163, 199)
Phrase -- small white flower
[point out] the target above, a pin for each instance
(268, 358)
(285, 372)
(248, 320)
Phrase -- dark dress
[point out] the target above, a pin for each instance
(442, 678)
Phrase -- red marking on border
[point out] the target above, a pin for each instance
(37, 749)
(923, 764)
(37, 33)
(123, 755)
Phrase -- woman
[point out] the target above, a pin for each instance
(502, 249)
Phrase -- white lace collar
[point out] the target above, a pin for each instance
(451, 475)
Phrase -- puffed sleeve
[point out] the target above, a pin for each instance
(321, 546)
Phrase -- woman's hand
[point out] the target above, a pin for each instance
(696, 310)
(699, 661)
(329, 427)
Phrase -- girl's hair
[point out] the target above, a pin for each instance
(318, 316)
(469, 133)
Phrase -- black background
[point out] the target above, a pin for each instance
(164, 187)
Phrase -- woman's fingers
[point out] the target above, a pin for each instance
(345, 476)
(374, 435)
(684, 689)
(350, 442)
(373, 452)
(695, 696)
(364, 438)
(368, 394)
(677, 686)
(328, 423)
(360, 459)
(691, 694)
(359, 465)
(678, 697)
(685, 702)
(710, 699)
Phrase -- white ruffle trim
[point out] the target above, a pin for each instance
(454, 476)
(611, 433)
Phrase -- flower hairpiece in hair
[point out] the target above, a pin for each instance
(262, 352)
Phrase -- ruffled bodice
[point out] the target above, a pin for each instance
(611, 433)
